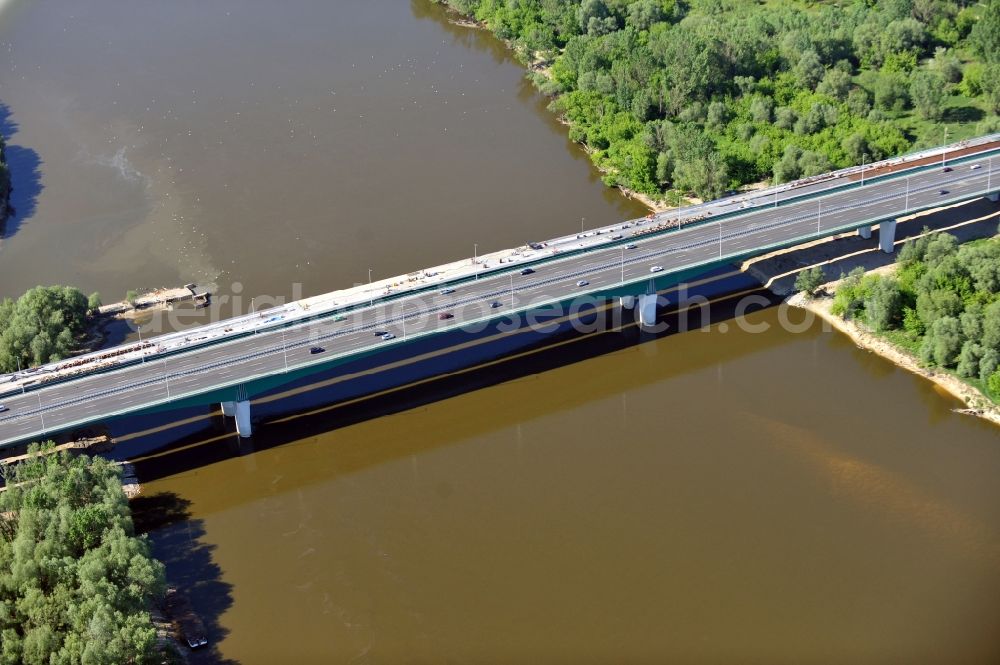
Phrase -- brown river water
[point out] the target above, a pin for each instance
(706, 497)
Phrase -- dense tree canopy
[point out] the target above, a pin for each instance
(76, 584)
(42, 325)
(944, 302)
(697, 96)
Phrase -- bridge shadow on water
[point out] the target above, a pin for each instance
(179, 542)
(219, 441)
(25, 166)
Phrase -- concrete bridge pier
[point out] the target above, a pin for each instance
(995, 196)
(647, 310)
(887, 235)
(243, 426)
(228, 409)
(865, 232)
(627, 302)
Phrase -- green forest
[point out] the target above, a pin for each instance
(681, 97)
(76, 584)
(43, 325)
(943, 303)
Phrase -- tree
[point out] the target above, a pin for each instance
(891, 91)
(883, 304)
(810, 279)
(836, 83)
(943, 342)
(927, 93)
(809, 70)
(642, 14)
(856, 147)
(990, 83)
(985, 35)
(988, 363)
(40, 326)
(94, 302)
(993, 383)
(991, 326)
(947, 65)
(968, 360)
(131, 296)
(76, 584)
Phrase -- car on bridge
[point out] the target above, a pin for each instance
(630, 246)
(445, 292)
(387, 336)
(444, 316)
(582, 282)
(316, 349)
(2, 408)
(976, 167)
(495, 304)
(656, 269)
(527, 271)
(943, 192)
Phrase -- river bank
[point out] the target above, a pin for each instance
(976, 402)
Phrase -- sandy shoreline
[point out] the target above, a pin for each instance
(976, 403)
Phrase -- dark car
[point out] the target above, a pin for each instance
(946, 169)
(316, 349)
(444, 316)
(943, 192)
(527, 271)
(380, 333)
(495, 304)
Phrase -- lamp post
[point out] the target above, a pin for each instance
(284, 349)
(19, 375)
(253, 314)
(864, 157)
(720, 240)
(819, 213)
(41, 413)
(371, 296)
(623, 264)
(475, 257)
(142, 353)
(166, 377)
(944, 148)
(906, 203)
(512, 291)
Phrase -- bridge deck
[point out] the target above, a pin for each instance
(604, 261)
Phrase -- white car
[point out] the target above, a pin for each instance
(976, 167)
(656, 269)
(388, 336)
(2, 408)
(582, 282)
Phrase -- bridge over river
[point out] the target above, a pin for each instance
(405, 329)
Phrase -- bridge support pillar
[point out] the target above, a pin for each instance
(995, 196)
(229, 409)
(887, 235)
(865, 232)
(627, 302)
(647, 310)
(243, 427)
